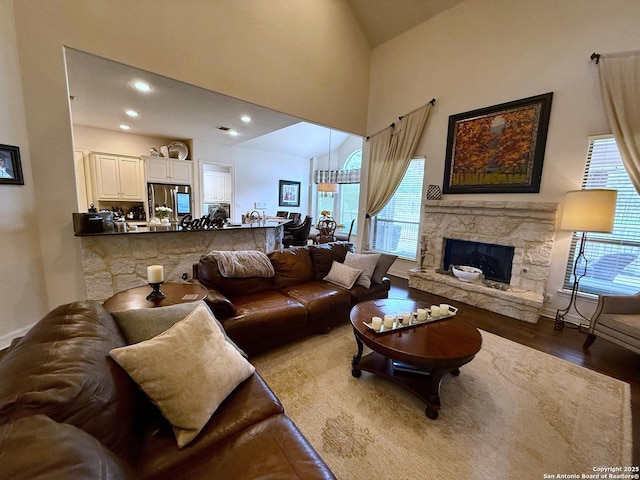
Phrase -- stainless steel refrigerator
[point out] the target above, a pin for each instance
(176, 197)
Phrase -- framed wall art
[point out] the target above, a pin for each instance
(10, 165)
(498, 149)
(289, 193)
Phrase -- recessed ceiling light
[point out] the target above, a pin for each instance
(233, 133)
(125, 127)
(131, 113)
(142, 86)
(245, 118)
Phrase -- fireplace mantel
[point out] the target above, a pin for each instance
(527, 226)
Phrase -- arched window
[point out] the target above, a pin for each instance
(350, 194)
(354, 161)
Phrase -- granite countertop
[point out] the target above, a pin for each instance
(135, 228)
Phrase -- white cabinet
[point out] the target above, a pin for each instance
(116, 177)
(216, 187)
(163, 170)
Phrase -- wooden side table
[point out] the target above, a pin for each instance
(135, 298)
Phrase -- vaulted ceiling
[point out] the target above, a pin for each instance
(98, 88)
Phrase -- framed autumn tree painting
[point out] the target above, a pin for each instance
(498, 149)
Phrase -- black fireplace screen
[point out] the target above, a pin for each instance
(495, 261)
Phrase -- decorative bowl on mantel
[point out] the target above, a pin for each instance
(465, 273)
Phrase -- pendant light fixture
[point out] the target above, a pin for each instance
(327, 187)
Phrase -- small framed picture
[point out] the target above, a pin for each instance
(289, 193)
(10, 165)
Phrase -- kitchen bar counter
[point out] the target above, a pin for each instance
(116, 261)
(139, 227)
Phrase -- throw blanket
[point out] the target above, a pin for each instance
(243, 264)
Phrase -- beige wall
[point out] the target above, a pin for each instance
(91, 139)
(485, 52)
(307, 59)
(22, 288)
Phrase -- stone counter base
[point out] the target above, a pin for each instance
(114, 263)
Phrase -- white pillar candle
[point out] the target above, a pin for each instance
(422, 314)
(435, 311)
(376, 323)
(155, 274)
(388, 322)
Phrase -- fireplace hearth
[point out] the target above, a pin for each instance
(525, 232)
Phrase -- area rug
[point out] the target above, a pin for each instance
(513, 412)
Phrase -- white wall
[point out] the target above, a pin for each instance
(22, 289)
(485, 52)
(257, 176)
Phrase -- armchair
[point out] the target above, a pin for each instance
(617, 319)
(298, 235)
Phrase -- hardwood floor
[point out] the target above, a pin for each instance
(603, 356)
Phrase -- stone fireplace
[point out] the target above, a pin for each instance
(529, 227)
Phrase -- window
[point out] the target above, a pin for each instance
(350, 194)
(612, 258)
(395, 229)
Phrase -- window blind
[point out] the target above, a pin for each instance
(612, 265)
(395, 229)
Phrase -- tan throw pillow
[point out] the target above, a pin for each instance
(366, 263)
(186, 371)
(342, 275)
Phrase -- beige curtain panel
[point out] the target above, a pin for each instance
(620, 85)
(389, 152)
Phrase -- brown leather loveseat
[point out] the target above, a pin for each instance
(259, 313)
(69, 411)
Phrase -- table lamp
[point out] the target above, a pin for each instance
(585, 211)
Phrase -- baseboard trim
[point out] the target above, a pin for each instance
(7, 338)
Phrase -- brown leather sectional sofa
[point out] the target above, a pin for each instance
(68, 411)
(261, 313)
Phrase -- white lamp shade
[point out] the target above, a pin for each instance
(328, 187)
(589, 210)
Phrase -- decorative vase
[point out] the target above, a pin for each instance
(164, 221)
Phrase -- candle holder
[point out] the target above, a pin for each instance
(156, 294)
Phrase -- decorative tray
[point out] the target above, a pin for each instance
(413, 322)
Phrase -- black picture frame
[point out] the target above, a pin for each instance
(289, 193)
(10, 165)
(498, 149)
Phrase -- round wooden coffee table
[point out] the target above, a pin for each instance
(417, 357)
(135, 298)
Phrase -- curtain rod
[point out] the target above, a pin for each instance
(595, 57)
(432, 102)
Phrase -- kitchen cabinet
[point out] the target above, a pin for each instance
(164, 170)
(216, 187)
(117, 177)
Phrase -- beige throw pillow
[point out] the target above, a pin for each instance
(186, 371)
(342, 275)
(366, 263)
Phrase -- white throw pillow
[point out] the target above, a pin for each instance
(366, 263)
(342, 275)
(187, 371)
